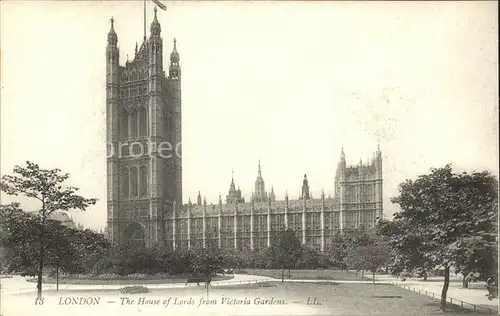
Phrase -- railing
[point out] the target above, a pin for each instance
(474, 307)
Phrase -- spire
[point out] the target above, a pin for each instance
(305, 188)
(259, 171)
(175, 68)
(155, 25)
(112, 37)
(198, 199)
(342, 155)
(136, 48)
(174, 56)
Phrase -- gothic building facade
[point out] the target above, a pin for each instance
(144, 184)
(143, 117)
(357, 202)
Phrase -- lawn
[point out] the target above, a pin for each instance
(274, 299)
(327, 274)
(181, 279)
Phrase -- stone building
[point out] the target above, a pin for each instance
(144, 184)
(357, 202)
(64, 218)
(143, 123)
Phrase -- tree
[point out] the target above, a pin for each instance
(370, 257)
(60, 251)
(286, 250)
(90, 247)
(309, 259)
(46, 186)
(476, 259)
(443, 208)
(18, 239)
(337, 251)
(407, 249)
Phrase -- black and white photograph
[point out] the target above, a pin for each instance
(249, 158)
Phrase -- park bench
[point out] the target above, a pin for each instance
(197, 280)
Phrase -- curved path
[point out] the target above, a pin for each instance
(17, 284)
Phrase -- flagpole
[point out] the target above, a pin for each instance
(144, 21)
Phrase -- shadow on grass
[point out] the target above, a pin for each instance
(452, 309)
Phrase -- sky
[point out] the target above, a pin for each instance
(288, 83)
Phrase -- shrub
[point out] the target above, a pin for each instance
(110, 276)
(139, 276)
(136, 289)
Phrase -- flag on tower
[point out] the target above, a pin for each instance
(160, 5)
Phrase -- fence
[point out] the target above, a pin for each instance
(91, 287)
(474, 307)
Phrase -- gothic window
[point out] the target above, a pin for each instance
(124, 127)
(143, 181)
(124, 151)
(124, 182)
(142, 73)
(137, 149)
(133, 181)
(133, 124)
(143, 122)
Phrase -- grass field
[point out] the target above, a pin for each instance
(327, 274)
(130, 281)
(278, 299)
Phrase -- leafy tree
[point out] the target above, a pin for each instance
(286, 250)
(476, 259)
(309, 259)
(19, 239)
(60, 253)
(443, 208)
(90, 247)
(337, 250)
(207, 261)
(46, 186)
(407, 249)
(370, 257)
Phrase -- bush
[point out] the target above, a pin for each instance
(110, 276)
(265, 284)
(240, 272)
(134, 289)
(139, 276)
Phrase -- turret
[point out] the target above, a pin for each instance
(175, 68)
(305, 188)
(112, 37)
(378, 161)
(155, 50)
(272, 196)
(198, 199)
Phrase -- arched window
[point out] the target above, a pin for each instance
(143, 122)
(124, 182)
(143, 177)
(142, 73)
(133, 124)
(133, 181)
